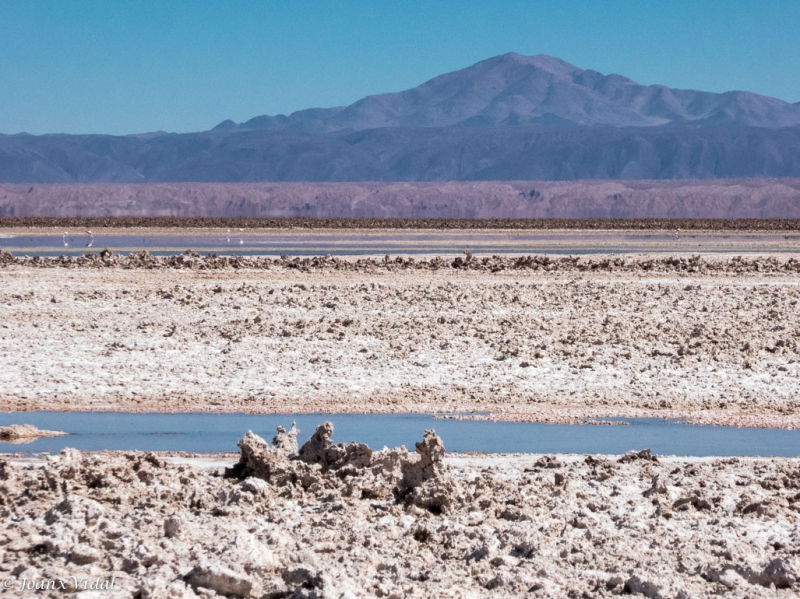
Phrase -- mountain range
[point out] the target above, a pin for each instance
(534, 91)
(510, 117)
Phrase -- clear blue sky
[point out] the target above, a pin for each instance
(126, 66)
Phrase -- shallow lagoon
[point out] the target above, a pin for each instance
(204, 432)
(420, 242)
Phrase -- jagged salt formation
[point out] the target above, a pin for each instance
(418, 478)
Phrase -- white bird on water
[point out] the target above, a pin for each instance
(64, 239)
(91, 239)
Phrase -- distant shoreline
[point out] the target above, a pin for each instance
(609, 224)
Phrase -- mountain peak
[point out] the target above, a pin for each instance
(225, 125)
(513, 90)
(541, 61)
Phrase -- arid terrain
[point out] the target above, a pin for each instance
(533, 338)
(763, 198)
(522, 240)
(340, 521)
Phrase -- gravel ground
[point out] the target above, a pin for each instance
(711, 339)
(344, 521)
(464, 224)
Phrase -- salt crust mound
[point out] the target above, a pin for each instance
(25, 433)
(342, 521)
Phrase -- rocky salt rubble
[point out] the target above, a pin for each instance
(25, 433)
(343, 521)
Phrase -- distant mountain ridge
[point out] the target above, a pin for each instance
(510, 117)
(513, 91)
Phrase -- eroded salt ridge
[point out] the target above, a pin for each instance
(342, 521)
(696, 264)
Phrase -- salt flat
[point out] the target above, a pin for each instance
(711, 339)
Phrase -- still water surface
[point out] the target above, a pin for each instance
(316, 244)
(201, 432)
